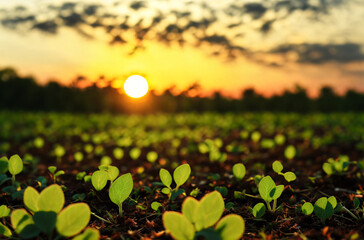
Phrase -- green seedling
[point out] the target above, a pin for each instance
(112, 172)
(78, 156)
(239, 171)
(135, 153)
(120, 190)
(4, 165)
(324, 208)
(55, 174)
(290, 152)
(100, 177)
(258, 210)
(38, 142)
(118, 153)
(152, 156)
(222, 190)
(15, 166)
(59, 152)
(278, 167)
(338, 166)
(270, 192)
(4, 211)
(155, 206)
(202, 218)
(279, 139)
(106, 161)
(47, 214)
(255, 136)
(307, 208)
(180, 176)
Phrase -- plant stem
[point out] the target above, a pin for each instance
(350, 213)
(274, 205)
(269, 208)
(252, 196)
(102, 219)
(13, 179)
(120, 210)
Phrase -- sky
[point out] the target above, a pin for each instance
(225, 46)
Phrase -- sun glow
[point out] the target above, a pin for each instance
(136, 86)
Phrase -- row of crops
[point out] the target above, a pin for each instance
(181, 176)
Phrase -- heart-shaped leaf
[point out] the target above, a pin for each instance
(178, 226)
(51, 199)
(231, 227)
(181, 174)
(323, 209)
(99, 179)
(31, 196)
(72, 219)
(209, 210)
(259, 210)
(23, 224)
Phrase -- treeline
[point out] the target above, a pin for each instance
(24, 93)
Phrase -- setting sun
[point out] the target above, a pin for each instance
(136, 86)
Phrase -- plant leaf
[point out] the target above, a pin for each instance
(5, 231)
(51, 199)
(328, 168)
(266, 187)
(4, 164)
(45, 221)
(290, 152)
(155, 206)
(307, 208)
(23, 224)
(52, 169)
(99, 179)
(189, 207)
(4, 211)
(121, 189)
(31, 196)
(15, 164)
(277, 166)
(88, 234)
(181, 174)
(73, 219)
(239, 171)
(333, 201)
(209, 210)
(231, 227)
(165, 177)
(278, 192)
(259, 210)
(289, 176)
(178, 226)
(323, 209)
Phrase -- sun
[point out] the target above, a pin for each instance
(136, 86)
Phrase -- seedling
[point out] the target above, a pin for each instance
(4, 164)
(118, 153)
(278, 167)
(180, 176)
(152, 156)
(55, 174)
(270, 192)
(78, 156)
(47, 214)
(120, 190)
(59, 152)
(290, 152)
(199, 217)
(259, 210)
(239, 171)
(337, 166)
(135, 153)
(15, 166)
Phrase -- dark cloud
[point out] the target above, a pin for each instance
(319, 53)
(13, 22)
(73, 19)
(46, 26)
(138, 5)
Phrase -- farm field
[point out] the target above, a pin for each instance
(289, 176)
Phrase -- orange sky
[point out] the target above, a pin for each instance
(65, 55)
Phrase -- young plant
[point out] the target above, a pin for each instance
(202, 218)
(290, 152)
(120, 190)
(15, 166)
(55, 174)
(4, 230)
(239, 171)
(324, 208)
(258, 210)
(47, 214)
(100, 177)
(278, 167)
(337, 166)
(180, 176)
(270, 192)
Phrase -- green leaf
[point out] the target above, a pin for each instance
(209, 210)
(52, 169)
(4, 164)
(152, 156)
(155, 206)
(189, 207)
(31, 196)
(289, 176)
(23, 224)
(5, 231)
(290, 152)
(277, 166)
(113, 172)
(51, 199)
(333, 201)
(118, 153)
(328, 168)
(78, 156)
(99, 179)
(165, 177)
(231, 227)
(45, 221)
(135, 153)
(239, 171)
(266, 188)
(178, 226)
(222, 190)
(88, 234)
(181, 174)
(59, 173)
(15, 165)
(356, 202)
(307, 208)
(323, 209)
(121, 189)
(166, 190)
(4, 211)
(259, 210)
(277, 192)
(73, 219)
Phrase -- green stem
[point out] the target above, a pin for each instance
(120, 210)
(12, 179)
(252, 196)
(350, 213)
(269, 208)
(102, 219)
(274, 205)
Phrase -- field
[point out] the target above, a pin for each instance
(315, 163)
